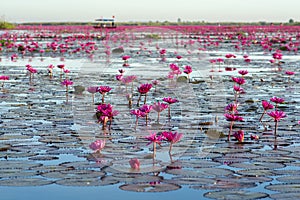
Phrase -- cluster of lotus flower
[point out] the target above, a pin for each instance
(231, 110)
(154, 138)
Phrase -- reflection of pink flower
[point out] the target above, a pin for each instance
(134, 163)
(98, 145)
(239, 135)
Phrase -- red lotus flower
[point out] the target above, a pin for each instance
(172, 137)
(154, 138)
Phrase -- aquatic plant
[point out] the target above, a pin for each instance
(277, 116)
(159, 107)
(103, 90)
(172, 138)
(170, 101)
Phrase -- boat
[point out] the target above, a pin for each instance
(105, 23)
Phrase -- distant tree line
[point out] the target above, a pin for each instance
(6, 25)
(179, 22)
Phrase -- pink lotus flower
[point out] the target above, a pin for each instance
(267, 106)
(172, 138)
(289, 73)
(170, 101)
(159, 107)
(4, 78)
(67, 82)
(188, 69)
(134, 163)
(243, 72)
(239, 135)
(98, 145)
(126, 57)
(277, 101)
(143, 89)
(93, 90)
(154, 138)
(103, 90)
(232, 118)
(277, 116)
(146, 110)
(138, 113)
(239, 81)
(232, 108)
(105, 113)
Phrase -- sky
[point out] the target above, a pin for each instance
(20, 11)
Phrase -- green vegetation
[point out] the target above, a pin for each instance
(179, 22)
(6, 25)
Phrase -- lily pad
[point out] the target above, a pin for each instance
(235, 195)
(150, 187)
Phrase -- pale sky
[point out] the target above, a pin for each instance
(150, 10)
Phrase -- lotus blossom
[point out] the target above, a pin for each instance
(238, 80)
(232, 108)
(267, 106)
(170, 101)
(125, 58)
(105, 113)
(172, 138)
(3, 79)
(98, 145)
(50, 70)
(93, 90)
(232, 118)
(103, 90)
(243, 72)
(134, 163)
(289, 73)
(146, 109)
(155, 83)
(138, 113)
(239, 135)
(188, 70)
(277, 116)
(154, 138)
(277, 101)
(159, 107)
(143, 89)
